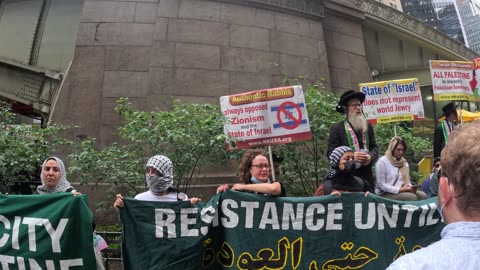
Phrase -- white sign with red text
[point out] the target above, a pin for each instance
(452, 80)
(266, 117)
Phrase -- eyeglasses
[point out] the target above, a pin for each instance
(355, 105)
(262, 166)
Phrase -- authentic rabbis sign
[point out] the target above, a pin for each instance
(265, 117)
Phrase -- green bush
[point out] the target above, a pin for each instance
(191, 135)
(24, 147)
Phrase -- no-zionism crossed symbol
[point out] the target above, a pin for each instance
(282, 109)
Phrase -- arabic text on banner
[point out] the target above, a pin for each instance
(236, 230)
(451, 80)
(51, 232)
(392, 101)
(266, 117)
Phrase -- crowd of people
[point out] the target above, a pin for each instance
(459, 205)
(352, 153)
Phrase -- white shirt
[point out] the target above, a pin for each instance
(459, 249)
(389, 177)
(170, 197)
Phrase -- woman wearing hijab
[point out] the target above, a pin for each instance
(393, 174)
(54, 180)
(255, 173)
(159, 178)
(340, 177)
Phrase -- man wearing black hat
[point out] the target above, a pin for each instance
(356, 133)
(443, 130)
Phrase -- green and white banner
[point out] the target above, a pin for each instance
(237, 230)
(46, 232)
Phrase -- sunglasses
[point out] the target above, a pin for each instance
(436, 165)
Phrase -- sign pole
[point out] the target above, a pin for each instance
(395, 130)
(271, 163)
(461, 108)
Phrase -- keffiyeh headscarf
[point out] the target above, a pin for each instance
(334, 158)
(160, 183)
(398, 163)
(62, 184)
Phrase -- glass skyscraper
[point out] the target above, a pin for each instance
(440, 14)
(470, 14)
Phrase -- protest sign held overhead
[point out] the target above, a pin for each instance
(452, 80)
(392, 101)
(266, 117)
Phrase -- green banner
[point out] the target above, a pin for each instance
(46, 232)
(237, 230)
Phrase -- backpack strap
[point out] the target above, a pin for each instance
(328, 186)
(364, 185)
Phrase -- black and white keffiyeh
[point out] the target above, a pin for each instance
(334, 158)
(62, 186)
(163, 181)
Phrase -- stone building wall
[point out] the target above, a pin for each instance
(345, 48)
(195, 51)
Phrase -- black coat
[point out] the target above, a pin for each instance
(438, 141)
(338, 137)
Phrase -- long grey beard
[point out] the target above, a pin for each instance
(358, 121)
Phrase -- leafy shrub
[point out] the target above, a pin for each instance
(23, 149)
(191, 135)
